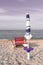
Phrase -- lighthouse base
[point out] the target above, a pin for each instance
(28, 56)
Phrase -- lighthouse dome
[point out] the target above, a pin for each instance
(27, 15)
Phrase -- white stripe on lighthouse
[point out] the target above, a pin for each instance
(27, 23)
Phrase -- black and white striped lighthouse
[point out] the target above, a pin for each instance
(27, 35)
(28, 28)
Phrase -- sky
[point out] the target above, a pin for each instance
(13, 14)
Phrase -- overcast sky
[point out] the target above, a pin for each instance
(13, 12)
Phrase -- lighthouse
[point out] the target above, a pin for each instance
(27, 36)
(28, 28)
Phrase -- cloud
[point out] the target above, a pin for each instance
(2, 10)
(17, 21)
(9, 17)
(21, 0)
(37, 19)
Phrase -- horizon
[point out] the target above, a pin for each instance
(18, 29)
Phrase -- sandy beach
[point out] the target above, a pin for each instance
(10, 55)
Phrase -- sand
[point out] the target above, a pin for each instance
(11, 55)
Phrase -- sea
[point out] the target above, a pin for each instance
(11, 34)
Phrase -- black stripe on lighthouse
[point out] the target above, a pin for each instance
(28, 30)
(27, 16)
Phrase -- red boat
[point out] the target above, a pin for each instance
(18, 41)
